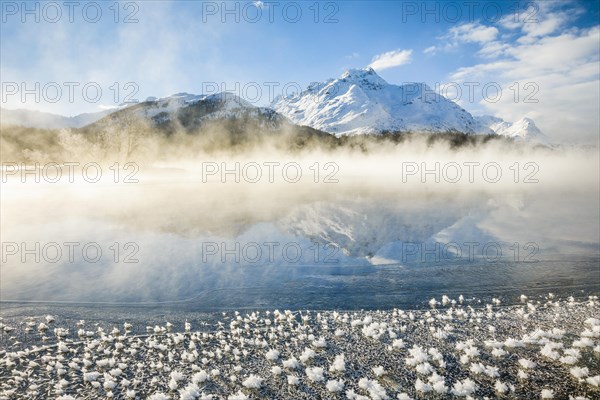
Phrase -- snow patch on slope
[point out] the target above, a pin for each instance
(167, 105)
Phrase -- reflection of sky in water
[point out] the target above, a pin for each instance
(171, 217)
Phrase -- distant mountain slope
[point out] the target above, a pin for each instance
(43, 120)
(522, 130)
(188, 112)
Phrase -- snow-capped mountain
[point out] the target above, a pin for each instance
(522, 130)
(360, 101)
(38, 119)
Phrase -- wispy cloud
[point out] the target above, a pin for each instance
(430, 50)
(558, 83)
(391, 59)
(542, 18)
(473, 33)
(547, 68)
(464, 33)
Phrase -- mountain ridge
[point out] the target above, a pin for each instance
(358, 102)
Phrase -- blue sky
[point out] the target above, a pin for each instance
(180, 46)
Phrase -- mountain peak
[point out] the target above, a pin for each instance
(360, 101)
(229, 100)
(363, 77)
(358, 72)
(526, 122)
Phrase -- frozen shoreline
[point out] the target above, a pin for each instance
(542, 347)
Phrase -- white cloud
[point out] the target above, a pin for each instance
(564, 68)
(540, 46)
(493, 49)
(473, 33)
(541, 18)
(464, 33)
(430, 50)
(391, 59)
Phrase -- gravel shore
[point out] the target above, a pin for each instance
(542, 348)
